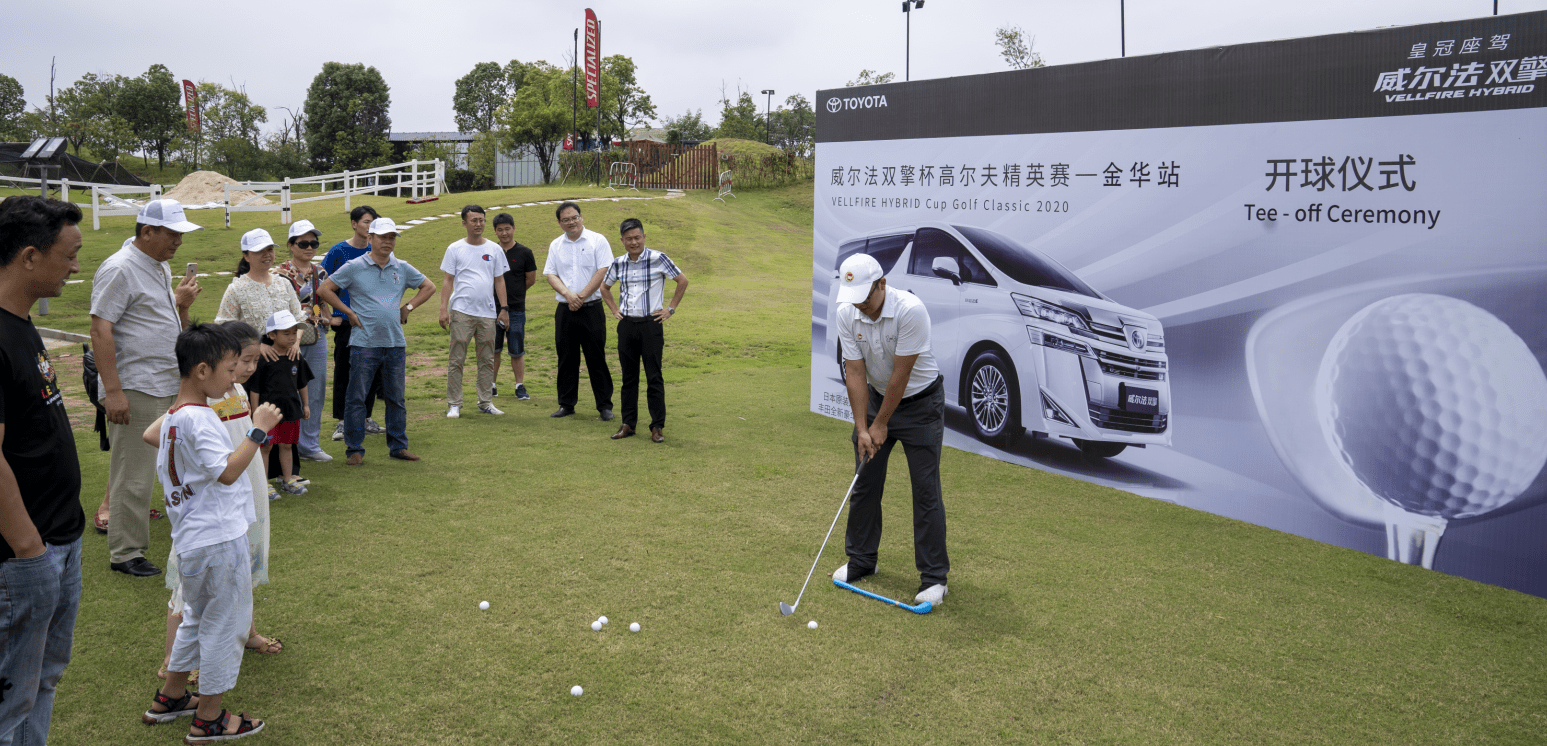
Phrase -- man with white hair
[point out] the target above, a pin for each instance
(136, 315)
(897, 396)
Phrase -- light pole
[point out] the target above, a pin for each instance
(907, 7)
(767, 135)
(1122, 29)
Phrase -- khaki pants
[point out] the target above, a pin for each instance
(481, 331)
(131, 477)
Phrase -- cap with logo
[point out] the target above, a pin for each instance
(855, 276)
(280, 321)
(383, 226)
(166, 213)
(256, 239)
(303, 227)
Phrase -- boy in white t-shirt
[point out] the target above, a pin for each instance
(211, 502)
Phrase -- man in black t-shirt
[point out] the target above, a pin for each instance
(522, 274)
(40, 475)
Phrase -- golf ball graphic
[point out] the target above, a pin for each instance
(1438, 408)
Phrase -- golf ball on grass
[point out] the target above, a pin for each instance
(576, 690)
(603, 620)
(484, 605)
(811, 624)
(596, 626)
(634, 627)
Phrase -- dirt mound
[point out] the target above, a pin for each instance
(205, 187)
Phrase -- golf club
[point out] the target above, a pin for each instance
(787, 609)
(923, 608)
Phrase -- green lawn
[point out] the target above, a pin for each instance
(1077, 613)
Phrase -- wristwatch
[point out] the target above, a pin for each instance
(257, 436)
(671, 311)
(410, 307)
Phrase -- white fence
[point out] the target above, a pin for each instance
(623, 174)
(418, 178)
(107, 200)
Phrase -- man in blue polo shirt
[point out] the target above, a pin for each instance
(376, 282)
(355, 246)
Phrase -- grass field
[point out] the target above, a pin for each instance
(1077, 614)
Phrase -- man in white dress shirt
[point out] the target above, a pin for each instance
(897, 396)
(576, 263)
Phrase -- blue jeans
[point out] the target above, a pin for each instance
(38, 600)
(316, 356)
(363, 364)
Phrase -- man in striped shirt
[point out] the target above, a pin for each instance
(641, 276)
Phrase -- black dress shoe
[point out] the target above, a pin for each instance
(138, 567)
(563, 412)
(606, 415)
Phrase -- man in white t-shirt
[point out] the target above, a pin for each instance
(472, 303)
(897, 396)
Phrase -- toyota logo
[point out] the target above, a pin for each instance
(834, 104)
(1136, 339)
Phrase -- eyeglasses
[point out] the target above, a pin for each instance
(571, 219)
(307, 244)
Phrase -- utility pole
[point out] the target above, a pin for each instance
(907, 51)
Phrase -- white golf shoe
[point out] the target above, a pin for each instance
(933, 594)
(490, 409)
(453, 412)
(842, 573)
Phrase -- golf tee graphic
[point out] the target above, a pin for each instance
(1297, 283)
(1438, 408)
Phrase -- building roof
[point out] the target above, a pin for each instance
(431, 136)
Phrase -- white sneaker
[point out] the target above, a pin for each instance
(490, 409)
(842, 573)
(318, 456)
(338, 432)
(453, 412)
(933, 594)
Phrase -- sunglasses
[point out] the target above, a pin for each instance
(308, 244)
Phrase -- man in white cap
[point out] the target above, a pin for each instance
(136, 315)
(376, 282)
(897, 396)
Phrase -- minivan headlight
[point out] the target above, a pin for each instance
(1048, 312)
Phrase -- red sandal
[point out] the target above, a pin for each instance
(215, 730)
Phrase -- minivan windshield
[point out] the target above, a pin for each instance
(1024, 265)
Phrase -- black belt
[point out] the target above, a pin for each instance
(639, 319)
(587, 304)
(930, 389)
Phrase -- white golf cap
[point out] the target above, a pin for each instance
(855, 276)
(166, 213)
(280, 321)
(256, 239)
(303, 227)
(383, 226)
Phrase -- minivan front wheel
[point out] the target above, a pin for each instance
(991, 398)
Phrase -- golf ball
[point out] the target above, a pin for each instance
(603, 620)
(1435, 404)
(483, 605)
(634, 627)
(596, 626)
(811, 624)
(576, 690)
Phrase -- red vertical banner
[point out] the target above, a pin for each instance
(191, 96)
(593, 60)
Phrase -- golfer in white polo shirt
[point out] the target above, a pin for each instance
(897, 396)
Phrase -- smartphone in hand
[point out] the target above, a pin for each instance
(193, 269)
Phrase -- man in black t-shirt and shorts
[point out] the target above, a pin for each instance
(40, 475)
(522, 274)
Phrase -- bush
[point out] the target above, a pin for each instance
(771, 170)
(463, 180)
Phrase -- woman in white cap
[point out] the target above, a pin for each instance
(305, 276)
(254, 295)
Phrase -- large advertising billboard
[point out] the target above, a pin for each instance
(1300, 283)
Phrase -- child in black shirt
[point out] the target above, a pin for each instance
(283, 383)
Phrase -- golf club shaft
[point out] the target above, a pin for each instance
(829, 535)
(923, 608)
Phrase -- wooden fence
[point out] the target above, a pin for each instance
(663, 166)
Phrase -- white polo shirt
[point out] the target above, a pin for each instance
(902, 329)
(576, 261)
(474, 269)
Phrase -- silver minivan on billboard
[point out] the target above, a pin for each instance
(1024, 344)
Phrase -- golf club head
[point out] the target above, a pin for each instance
(923, 608)
(786, 609)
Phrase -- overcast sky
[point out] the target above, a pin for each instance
(685, 50)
